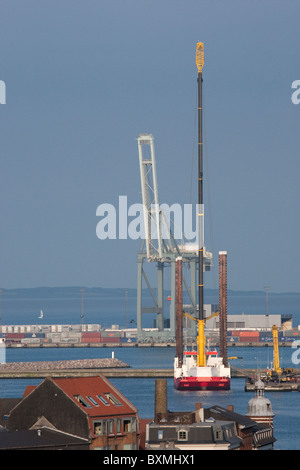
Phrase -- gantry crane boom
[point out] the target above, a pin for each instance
(161, 245)
(150, 198)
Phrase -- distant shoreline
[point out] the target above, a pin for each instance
(100, 290)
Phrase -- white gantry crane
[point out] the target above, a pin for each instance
(161, 249)
(152, 219)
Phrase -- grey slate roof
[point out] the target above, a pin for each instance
(224, 414)
(44, 438)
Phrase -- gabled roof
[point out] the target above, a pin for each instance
(42, 422)
(28, 390)
(96, 396)
(218, 412)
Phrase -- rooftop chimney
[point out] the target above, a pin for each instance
(223, 305)
(179, 311)
(199, 414)
(161, 403)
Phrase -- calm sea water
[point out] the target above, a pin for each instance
(63, 309)
(118, 306)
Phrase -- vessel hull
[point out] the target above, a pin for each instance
(202, 383)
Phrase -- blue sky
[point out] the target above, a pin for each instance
(84, 78)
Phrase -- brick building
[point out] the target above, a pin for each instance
(87, 407)
(213, 428)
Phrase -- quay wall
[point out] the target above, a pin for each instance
(58, 369)
(132, 345)
(109, 373)
(93, 335)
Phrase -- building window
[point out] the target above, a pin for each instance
(82, 401)
(118, 426)
(160, 434)
(93, 401)
(218, 433)
(105, 402)
(129, 424)
(129, 447)
(182, 435)
(110, 426)
(100, 428)
(110, 397)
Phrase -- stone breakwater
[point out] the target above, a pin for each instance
(105, 363)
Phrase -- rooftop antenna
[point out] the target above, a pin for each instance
(82, 305)
(126, 308)
(267, 288)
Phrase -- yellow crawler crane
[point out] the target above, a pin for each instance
(277, 373)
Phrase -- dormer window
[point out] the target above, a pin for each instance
(218, 434)
(182, 435)
(102, 399)
(82, 401)
(93, 401)
(112, 399)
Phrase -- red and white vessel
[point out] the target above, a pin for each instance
(213, 376)
(201, 369)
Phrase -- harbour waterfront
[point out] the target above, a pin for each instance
(107, 307)
(141, 392)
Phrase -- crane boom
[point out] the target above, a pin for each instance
(200, 56)
(200, 63)
(277, 367)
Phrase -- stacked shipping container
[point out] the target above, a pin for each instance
(248, 336)
(91, 337)
(69, 334)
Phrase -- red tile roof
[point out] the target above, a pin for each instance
(102, 398)
(28, 390)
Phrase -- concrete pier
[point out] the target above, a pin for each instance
(276, 387)
(109, 373)
(110, 367)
